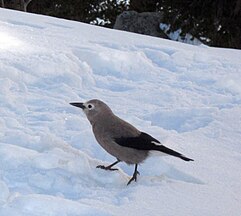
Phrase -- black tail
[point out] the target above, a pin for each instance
(166, 150)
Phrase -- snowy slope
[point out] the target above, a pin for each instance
(188, 97)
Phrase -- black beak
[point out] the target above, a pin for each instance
(80, 105)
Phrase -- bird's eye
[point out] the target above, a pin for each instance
(90, 106)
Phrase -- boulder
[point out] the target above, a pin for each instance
(147, 23)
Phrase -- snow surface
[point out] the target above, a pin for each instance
(188, 97)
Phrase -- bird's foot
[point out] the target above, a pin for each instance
(134, 177)
(106, 168)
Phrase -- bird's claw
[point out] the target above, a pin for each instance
(134, 177)
(106, 168)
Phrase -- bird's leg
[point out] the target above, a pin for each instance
(134, 177)
(109, 167)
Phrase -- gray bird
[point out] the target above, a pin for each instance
(121, 139)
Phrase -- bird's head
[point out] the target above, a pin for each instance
(93, 109)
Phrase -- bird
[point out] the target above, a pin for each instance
(121, 139)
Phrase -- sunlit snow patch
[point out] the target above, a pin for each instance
(7, 41)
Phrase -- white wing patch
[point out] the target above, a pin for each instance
(156, 143)
(154, 153)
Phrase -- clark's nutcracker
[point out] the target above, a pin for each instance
(121, 139)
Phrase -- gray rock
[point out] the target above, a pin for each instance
(146, 23)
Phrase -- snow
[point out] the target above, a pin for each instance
(176, 35)
(188, 97)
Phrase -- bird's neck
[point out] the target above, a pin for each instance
(101, 119)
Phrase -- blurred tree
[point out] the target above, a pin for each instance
(143, 5)
(2, 3)
(24, 4)
(214, 22)
(104, 12)
(16, 4)
(69, 9)
(98, 12)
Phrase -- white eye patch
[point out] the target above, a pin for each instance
(90, 106)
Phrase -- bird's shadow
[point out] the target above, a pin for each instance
(168, 173)
(178, 175)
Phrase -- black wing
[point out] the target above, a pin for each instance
(141, 142)
(146, 142)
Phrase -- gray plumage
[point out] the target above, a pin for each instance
(119, 138)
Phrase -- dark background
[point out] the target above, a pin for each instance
(214, 22)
